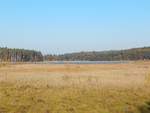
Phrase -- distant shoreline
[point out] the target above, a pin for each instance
(68, 62)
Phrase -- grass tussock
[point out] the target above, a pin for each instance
(109, 88)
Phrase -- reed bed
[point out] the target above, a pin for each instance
(102, 88)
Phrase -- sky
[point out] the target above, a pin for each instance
(64, 26)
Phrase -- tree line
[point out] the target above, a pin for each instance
(19, 55)
(128, 54)
(22, 55)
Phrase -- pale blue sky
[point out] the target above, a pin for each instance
(60, 26)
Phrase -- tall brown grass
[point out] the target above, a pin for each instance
(105, 88)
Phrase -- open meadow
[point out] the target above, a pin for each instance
(71, 88)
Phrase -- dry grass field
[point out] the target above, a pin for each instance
(68, 88)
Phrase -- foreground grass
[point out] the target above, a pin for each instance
(119, 88)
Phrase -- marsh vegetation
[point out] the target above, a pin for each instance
(68, 88)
